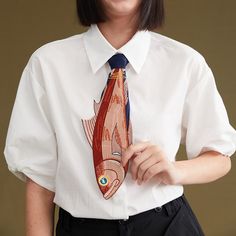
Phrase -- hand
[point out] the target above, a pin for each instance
(149, 160)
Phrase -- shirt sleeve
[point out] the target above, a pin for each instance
(205, 123)
(31, 148)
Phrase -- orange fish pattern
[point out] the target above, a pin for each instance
(109, 133)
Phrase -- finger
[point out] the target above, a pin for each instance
(158, 178)
(137, 161)
(134, 156)
(154, 170)
(144, 166)
(133, 148)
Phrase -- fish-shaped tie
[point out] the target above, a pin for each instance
(109, 132)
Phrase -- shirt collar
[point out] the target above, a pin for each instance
(99, 50)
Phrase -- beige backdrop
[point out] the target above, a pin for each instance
(208, 26)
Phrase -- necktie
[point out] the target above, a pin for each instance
(109, 132)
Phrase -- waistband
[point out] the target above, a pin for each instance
(170, 207)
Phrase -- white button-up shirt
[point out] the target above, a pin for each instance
(173, 99)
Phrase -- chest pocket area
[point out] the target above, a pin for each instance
(159, 128)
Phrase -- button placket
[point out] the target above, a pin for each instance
(125, 228)
(123, 221)
(120, 202)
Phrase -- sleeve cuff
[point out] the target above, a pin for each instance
(39, 179)
(223, 149)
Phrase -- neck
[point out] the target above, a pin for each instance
(118, 31)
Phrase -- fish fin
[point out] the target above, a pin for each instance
(116, 142)
(126, 91)
(89, 128)
(90, 124)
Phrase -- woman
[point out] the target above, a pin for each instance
(170, 97)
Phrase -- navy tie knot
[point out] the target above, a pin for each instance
(118, 61)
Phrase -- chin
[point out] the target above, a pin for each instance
(121, 7)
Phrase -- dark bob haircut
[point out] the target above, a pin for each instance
(152, 13)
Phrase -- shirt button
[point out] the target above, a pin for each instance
(158, 209)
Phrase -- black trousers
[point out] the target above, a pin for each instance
(175, 218)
